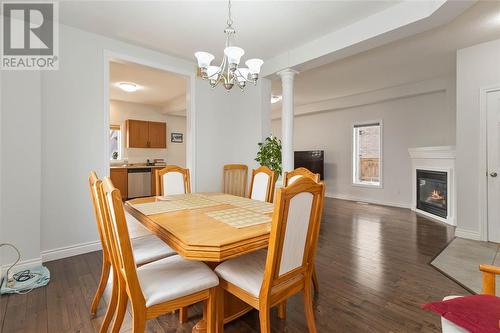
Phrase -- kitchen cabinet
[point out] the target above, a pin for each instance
(146, 134)
(119, 177)
(157, 135)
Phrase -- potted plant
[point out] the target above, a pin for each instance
(269, 154)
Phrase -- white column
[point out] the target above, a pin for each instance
(287, 76)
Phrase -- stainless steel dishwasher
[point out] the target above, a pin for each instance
(139, 182)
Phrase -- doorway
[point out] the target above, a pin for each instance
(493, 164)
(147, 120)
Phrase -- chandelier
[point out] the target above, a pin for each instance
(229, 72)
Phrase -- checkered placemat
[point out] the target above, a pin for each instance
(239, 217)
(178, 203)
(253, 205)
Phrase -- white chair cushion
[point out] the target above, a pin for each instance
(173, 183)
(135, 228)
(259, 186)
(447, 326)
(150, 248)
(246, 272)
(174, 277)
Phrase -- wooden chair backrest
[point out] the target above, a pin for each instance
(262, 184)
(172, 180)
(294, 234)
(234, 179)
(94, 182)
(120, 239)
(291, 176)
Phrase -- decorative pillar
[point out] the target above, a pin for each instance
(287, 76)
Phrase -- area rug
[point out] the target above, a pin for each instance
(460, 261)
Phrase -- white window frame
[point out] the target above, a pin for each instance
(120, 148)
(354, 169)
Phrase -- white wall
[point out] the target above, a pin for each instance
(426, 119)
(477, 67)
(175, 153)
(229, 126)
(20, 164)
(74, 133)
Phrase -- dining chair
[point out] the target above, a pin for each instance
(146, 249)
(155, 288)
(234, 179)
(262, 184)
(288, 178)
(173, 180)
(264, 279)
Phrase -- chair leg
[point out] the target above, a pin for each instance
(110, 311)
(265, 320)
(138, 320)
(315, 280)
(183, 315)
(102, 285)
(211, 310)
(282, 310)
(220, 310)
(121, 308)
(308, 307)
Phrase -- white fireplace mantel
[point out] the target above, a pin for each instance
(441, 158)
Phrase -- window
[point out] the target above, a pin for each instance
(367, 157)
(115, 142)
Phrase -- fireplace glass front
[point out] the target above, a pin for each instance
(432, 192)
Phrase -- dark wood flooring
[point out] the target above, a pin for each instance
(372, 265)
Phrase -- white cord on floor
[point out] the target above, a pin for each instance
(15, 263)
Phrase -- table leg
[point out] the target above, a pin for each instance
(233, 309)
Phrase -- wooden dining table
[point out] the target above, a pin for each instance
(195, 235)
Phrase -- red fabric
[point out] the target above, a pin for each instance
(476, 313)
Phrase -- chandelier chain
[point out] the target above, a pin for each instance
(229, 19)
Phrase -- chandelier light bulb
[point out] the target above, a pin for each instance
(234, 54)
(204, 59)
(213, 72)
(254, 65)
(243, 74)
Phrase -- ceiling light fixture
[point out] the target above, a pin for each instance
(128, 86)
(276, 98)
(228, 72)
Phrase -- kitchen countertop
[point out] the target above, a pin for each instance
(134, 166)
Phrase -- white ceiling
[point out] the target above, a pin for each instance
(156, 87)
(427, 55)
(264, 28)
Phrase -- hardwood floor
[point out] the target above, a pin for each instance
(373, 271)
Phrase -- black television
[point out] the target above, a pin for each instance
(310, 159)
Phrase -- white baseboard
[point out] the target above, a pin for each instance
(468, 234)
(70, 251)
(376, 202)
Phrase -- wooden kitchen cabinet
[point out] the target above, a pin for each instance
(119, 177)
(146, 134)
(157, 135)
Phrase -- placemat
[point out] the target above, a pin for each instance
(239, 217)
(253, 205)
(166, 206)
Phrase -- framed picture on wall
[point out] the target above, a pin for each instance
(176, 137)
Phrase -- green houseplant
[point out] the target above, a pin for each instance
(269, 154)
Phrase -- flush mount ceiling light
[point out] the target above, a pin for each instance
(276, 98)
(128, 86)
(228, 72)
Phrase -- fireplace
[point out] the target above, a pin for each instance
(432, 192)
